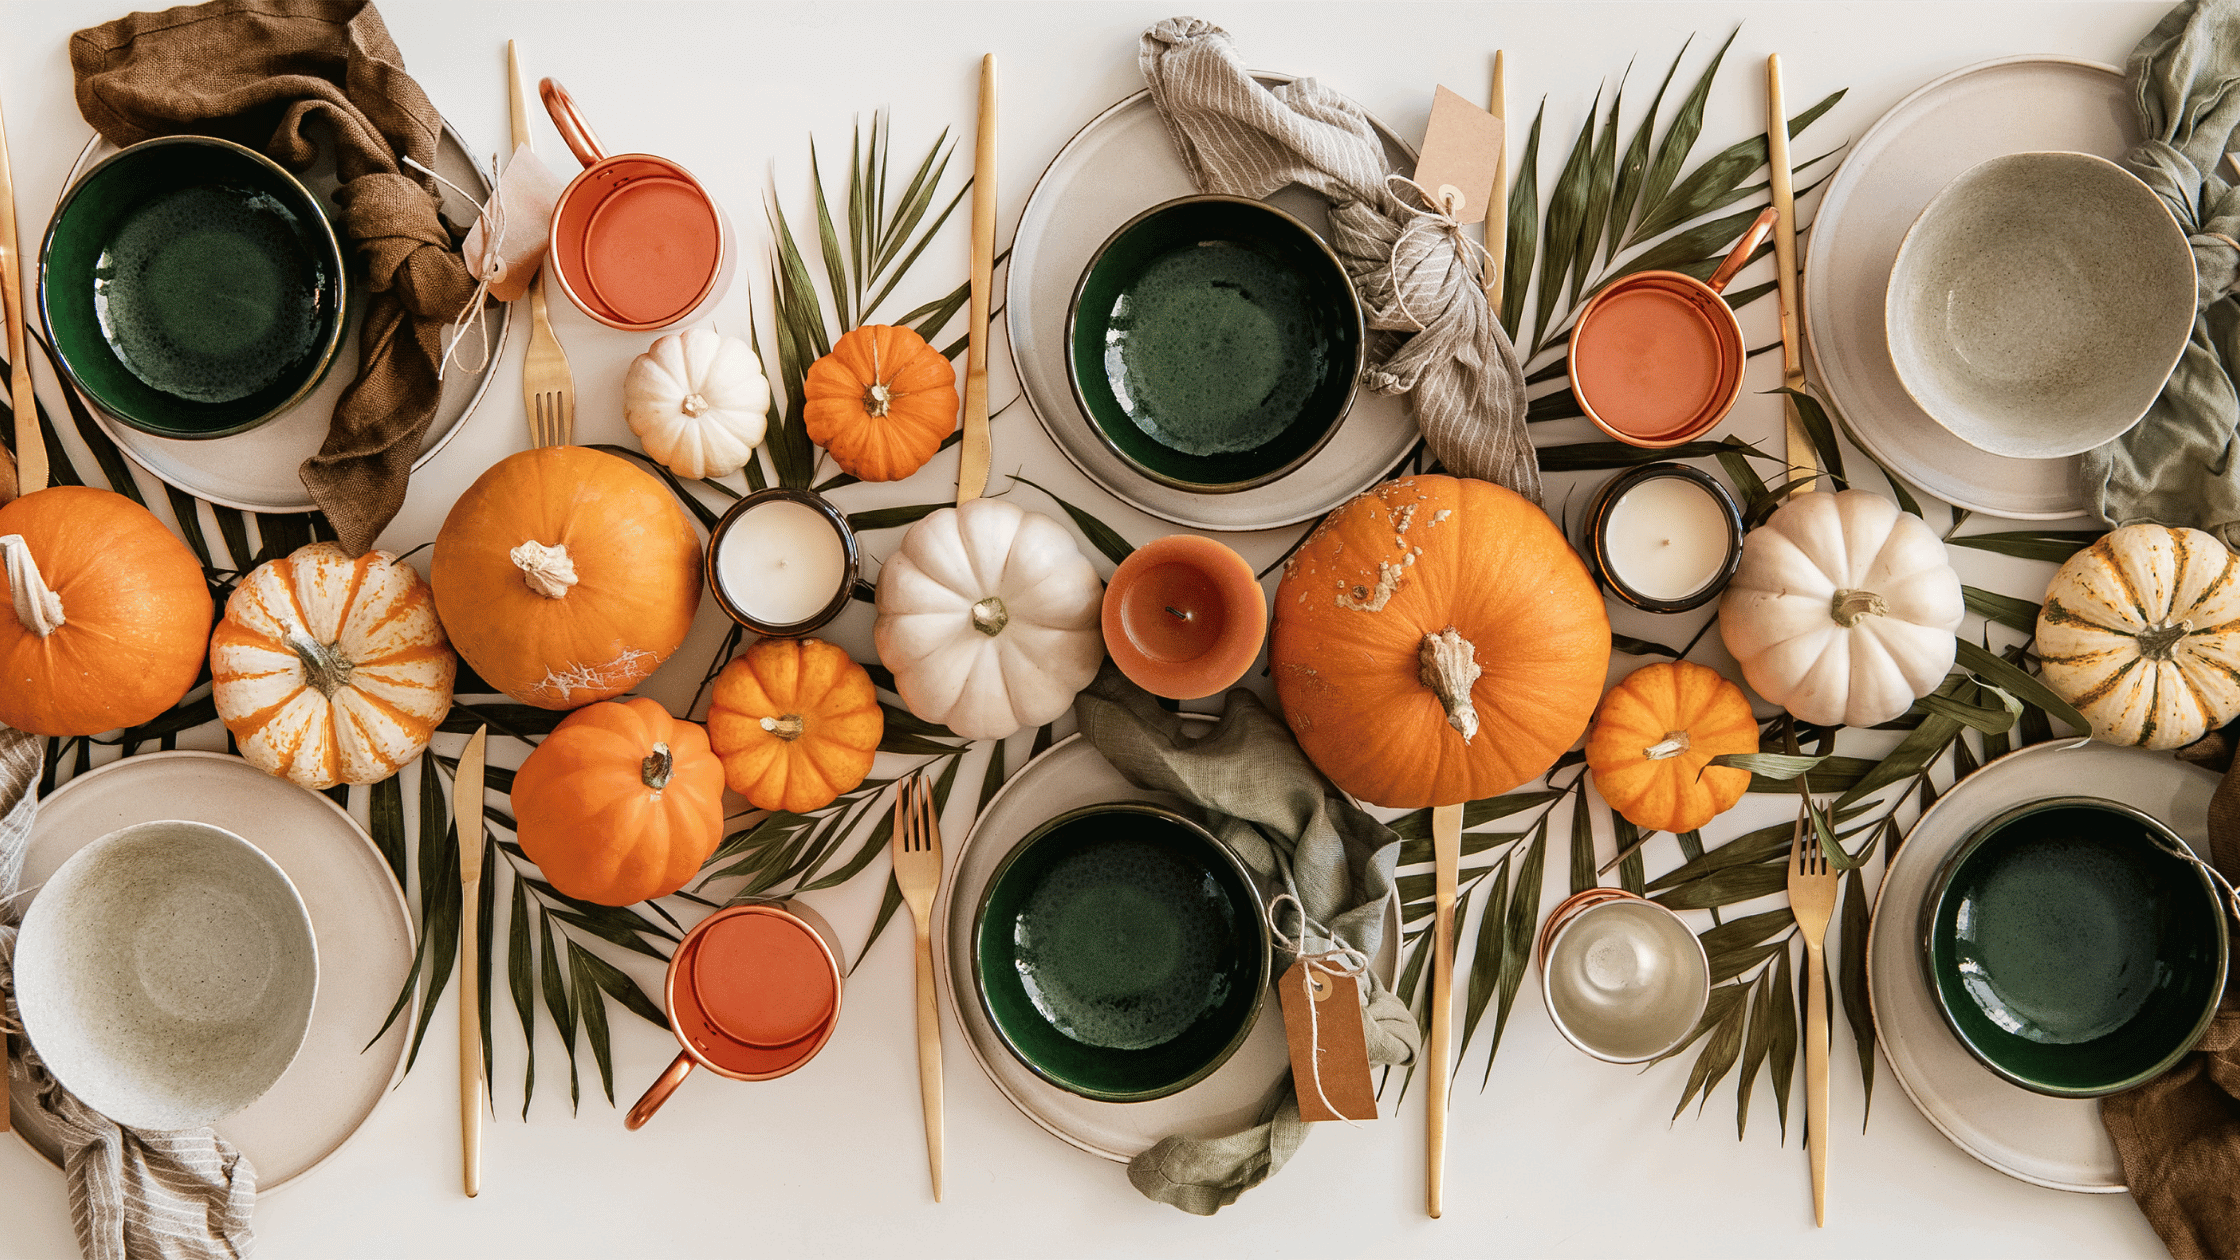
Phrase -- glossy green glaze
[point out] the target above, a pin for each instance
(1214, 342)
(1120, 952)
(2071, 951)
(192, 287)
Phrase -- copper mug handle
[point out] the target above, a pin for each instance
(1735, 260)
(658, 1092)
(577, 133)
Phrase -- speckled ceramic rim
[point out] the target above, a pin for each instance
(1940, 886)
(796, 629)
(1360, 347)
(307, 203)
(1568, 914)
(1213, 845)
(1595, 545)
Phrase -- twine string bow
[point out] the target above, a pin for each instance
(1340, 959)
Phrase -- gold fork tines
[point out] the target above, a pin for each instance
(546, 383)
(917, 873)
(1812, 899)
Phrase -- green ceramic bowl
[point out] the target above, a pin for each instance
(2072, 950)
(1120, 952)
(191, 287)
(1214, 343)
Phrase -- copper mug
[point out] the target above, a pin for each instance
(753, 993)
(637, 242)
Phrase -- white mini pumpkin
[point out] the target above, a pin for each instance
(2141, 631)
(989, 618)
(698, 402)
(1843, 610)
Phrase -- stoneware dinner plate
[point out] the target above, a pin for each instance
(2053, 1142)
(358, 917)
(2012, 105)
(1071, 774)
(1117, 166)
(256, 471)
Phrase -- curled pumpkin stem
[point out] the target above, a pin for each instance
(1448, 664)
(37, 606)
(2156, 642)
(655, 770)
(787, 728)
(1850, 605)
(549, 571)
(325, 668)
(1672, 745)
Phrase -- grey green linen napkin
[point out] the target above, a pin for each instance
(1269, 804)
(132, 1194)
(2177, 466)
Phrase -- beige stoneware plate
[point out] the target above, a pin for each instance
(363, 929)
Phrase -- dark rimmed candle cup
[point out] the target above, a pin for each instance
(809, 625)
(1595, 537)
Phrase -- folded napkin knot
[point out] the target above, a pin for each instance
(406, 247)
(1433, 258)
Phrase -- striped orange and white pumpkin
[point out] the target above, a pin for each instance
(2141, 631)
(329, 669)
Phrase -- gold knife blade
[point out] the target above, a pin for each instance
(517, 96)
(973, 455)
(1497, 210)
(1804, 460)
(31, 447)
(1446, 862)
(466, 808)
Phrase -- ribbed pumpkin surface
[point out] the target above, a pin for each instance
(2141, 631)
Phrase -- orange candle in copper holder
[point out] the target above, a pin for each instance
(1184, 617)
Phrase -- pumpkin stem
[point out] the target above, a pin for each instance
(654, 771)
(1848, 606)
(2156, 642)
(1448, 664)
(693, 405)
(325, 668)
(546, 570)
(37, 607)
(877, 398)
(787, 728)
(989, 616)
(1672, 745)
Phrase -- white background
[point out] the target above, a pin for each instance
(1557, 1156)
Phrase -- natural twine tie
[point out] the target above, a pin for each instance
(1341, 959)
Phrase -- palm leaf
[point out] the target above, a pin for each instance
(1633, 169)
(1718, 181)
(1567, 212)
(1602, 175)
(1524, 228)
(1679, 137)
(1100, 535)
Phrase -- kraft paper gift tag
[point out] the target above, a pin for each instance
(520, 217)
(1329, 1050)
(1462, 151)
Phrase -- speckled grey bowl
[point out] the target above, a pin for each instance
(2039, 302)
(166, 974)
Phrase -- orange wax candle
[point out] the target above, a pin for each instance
(1184, 617)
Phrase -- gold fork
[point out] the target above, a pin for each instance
(1812, 899)
(917, 872)
(548, 388)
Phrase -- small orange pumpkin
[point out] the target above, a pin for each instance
(621, 803)
(1653, 739)
(796, 722)
(104, 615)
(880, 402)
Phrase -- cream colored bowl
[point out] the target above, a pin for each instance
(2039, 302)
(166, 974)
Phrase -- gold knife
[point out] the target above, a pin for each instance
(1803, 459)
(1497, 210)
(466, 808)
(1446, 861)
(972, 462)
(31, 448)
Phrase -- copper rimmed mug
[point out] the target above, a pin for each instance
(637, 242)
(753, 993)
(1656, 359)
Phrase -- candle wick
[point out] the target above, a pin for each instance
(1177, 613)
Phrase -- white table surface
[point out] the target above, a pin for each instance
(1557, 1156)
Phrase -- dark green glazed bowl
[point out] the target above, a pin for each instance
(1120, 952)
(1214, 343)
(2072, 950)
(191, 287)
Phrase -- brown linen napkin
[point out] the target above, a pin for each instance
(257, 72)
(2178, 1136)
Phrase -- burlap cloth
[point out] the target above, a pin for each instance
(258, 72)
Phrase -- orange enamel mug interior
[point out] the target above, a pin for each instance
(1656, 359)
(637, 243)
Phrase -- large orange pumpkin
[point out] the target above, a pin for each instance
(880, 402)
(565, 575)
(620, 803)
(796, 722)
(106, 614)
(1437, 641)
(1653, 739)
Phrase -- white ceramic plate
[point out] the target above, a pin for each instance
(358, 917)
(2053, 1142)
(1070, 774)
(256, 471)
(1119, 165)
(2013, 105)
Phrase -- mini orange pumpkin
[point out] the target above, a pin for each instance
(620, 803)
(880, 402)
(1653, 739)
(104, 615)
(796, 722)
